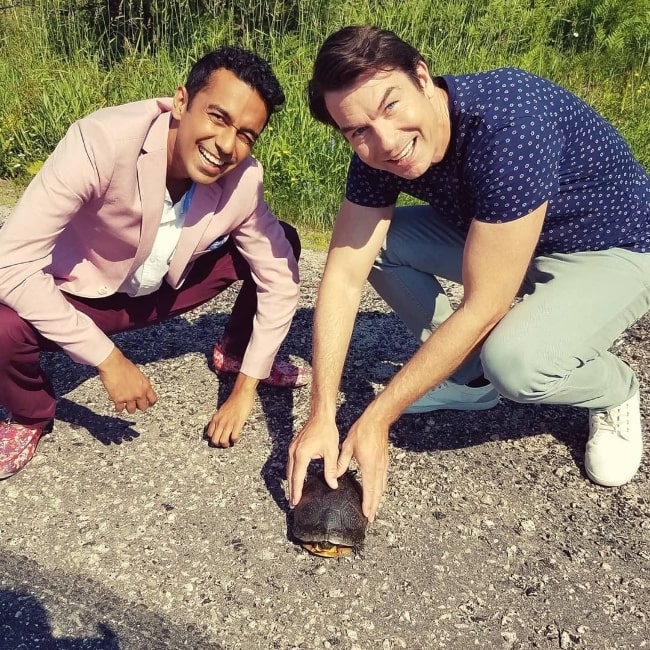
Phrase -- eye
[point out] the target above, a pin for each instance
(217, 117)
(357, 133)
(391, 106)
(246, 138)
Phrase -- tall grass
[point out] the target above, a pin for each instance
(60, 59)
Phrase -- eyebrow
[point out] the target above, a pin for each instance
(346, 129)
(228, 118)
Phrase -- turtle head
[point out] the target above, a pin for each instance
(327, 549)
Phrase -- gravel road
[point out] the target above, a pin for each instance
(130, 533)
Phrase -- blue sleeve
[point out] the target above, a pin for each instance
(516, 169)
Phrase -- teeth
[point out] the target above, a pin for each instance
(210, 158)
(406, 151)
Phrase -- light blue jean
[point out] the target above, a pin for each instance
(552, 346)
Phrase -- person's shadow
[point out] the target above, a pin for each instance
(171, 339)
(380, 346)
(24, 624)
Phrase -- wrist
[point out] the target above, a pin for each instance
(322, 411)
(381, 412)
(111, 360)
(245, 383)
(323, 403)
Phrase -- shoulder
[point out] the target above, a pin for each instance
(241, 189)
(490, 82)
(503, 93)
(133, 112)
(248, 176)
(126, 121)
(486, 103)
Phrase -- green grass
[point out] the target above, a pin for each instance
(60, 59)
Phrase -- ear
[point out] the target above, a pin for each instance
(424, 78)
(179, 105)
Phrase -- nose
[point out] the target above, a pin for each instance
(225, 141)
(385, 138)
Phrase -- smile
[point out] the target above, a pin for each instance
(405, 153)
(210, 159)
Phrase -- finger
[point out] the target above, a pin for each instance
(345, 457)
(224, 440)
(152, 398)
(370, 502)
(289, 469)
(372, 490)
(212, 425)
(219, 436)
(213, 429)
(119, 406)
(208, 431)
(229, 437)
(131, 406)
(296, 481)
(142, 403)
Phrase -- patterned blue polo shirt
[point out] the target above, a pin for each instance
(518, 140)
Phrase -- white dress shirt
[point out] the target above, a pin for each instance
(150, 274)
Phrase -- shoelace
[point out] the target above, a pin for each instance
(613, 421)
(435, 389)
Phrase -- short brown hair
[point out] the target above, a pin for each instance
(354, 52)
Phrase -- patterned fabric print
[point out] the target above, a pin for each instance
(517, 141)
(17, 446)
(283, 373)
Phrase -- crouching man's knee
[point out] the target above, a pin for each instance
(521, 373)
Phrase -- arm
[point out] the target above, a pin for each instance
(74, 177)
(357, 237)
(495, 260)
(261, 241)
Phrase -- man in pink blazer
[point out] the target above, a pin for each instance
(141, 213)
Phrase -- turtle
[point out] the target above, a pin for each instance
(327, 522)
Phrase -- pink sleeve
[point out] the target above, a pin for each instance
(70, 177)
(263, 244)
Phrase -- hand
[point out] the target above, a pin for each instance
(367, 442)
(318, 439)
(127, 386)
(226, 424)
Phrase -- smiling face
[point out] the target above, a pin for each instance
(392, 123)
(215, 132)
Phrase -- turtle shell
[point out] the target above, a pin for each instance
(330, 522)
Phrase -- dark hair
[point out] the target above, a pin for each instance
(352, 53)
(246, 66)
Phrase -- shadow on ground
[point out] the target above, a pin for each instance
(105, 621)
(379, 346)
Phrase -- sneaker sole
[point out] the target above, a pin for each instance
(458, 406)
(599, 481)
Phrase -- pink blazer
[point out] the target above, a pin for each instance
(89, 218)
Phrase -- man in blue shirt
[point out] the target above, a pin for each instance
(529, 194)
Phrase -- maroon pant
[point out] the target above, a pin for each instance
(27, 393)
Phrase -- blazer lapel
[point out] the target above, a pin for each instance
(152, 170)
(198, 218)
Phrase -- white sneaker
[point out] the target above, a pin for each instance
(449, 395)
(615, 443)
